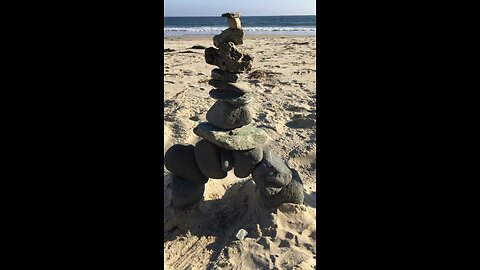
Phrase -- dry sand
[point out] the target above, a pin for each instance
(284, 105)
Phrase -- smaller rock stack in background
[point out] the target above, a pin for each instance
(229, 140)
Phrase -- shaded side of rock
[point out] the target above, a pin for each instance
(218, 74)
(272, 174)
(226, 159)
(234, 23)
(184, 192)
(229, 35)
(292, 193)
(246, 161)
(235, 98)
(180, 160)
(244, 138)
(207, 156)
(226, 116)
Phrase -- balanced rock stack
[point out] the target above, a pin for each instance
(229, 138)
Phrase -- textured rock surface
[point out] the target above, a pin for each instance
(272, 174)
(224, 115)
(218, 74)
(229, 35)
(208, 160)
(244, 138)
(226, 159)
(228, 58)
(246, 161)
(230, 86)
(180, 160)
(184, 192)
(292, 193)
(234, 98)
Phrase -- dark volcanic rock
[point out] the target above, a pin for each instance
(226, 160)
(229, 35)
(272, 174)
(180, 160)
(228, 58)
(226, 116)
(207, 156)
(246, 161)
(184, 192)
(218, 74)
(292, 193)
(234, 98)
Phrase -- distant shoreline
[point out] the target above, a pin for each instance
(213, 16)
(253, 36)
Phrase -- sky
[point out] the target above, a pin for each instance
(245, 7)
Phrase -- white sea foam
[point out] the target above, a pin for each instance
(252, 30)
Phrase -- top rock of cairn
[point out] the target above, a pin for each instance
(231, 15)
(233, 20)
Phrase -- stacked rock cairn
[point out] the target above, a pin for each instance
(229, 139)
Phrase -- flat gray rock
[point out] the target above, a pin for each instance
(226, 160)
(229, 35)
(184, 192)
(246, 161)
(218, 74)
(228, 58)
(244, 138)
(292, 193)
(235, 98)
(272, 174)
(208, 160)
(226, 116)
(230, 86)
(180, 160)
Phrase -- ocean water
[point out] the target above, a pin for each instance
(281, 25)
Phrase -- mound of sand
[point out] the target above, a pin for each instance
(203, 236)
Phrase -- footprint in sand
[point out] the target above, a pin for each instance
(302, 123)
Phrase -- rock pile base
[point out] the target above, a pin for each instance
(229, 140)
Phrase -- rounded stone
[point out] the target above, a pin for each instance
(292, 193)
(185, 192)
(226, 159)
(208, 159)
(234, 98)
(272, 174)
(246, 161)
(180, 160)
(226, 116)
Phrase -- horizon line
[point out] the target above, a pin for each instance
(242, 15)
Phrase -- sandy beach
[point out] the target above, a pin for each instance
(283, 78)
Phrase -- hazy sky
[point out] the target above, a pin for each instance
(245, 7)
